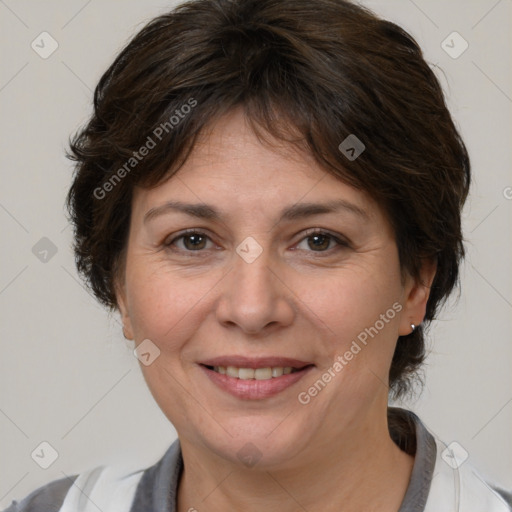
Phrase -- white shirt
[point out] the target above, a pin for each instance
(442, 480)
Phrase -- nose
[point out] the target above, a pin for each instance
(255, 296)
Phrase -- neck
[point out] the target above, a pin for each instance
(358, 470)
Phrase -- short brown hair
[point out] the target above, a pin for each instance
(308, 72)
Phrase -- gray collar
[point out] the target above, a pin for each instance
(413, 438)
(157, 488)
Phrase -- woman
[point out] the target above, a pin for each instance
(270, 193)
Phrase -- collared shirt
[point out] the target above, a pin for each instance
(441, 481)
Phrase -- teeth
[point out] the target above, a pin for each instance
(277, 372)
(231, 371)
(262, 373)
(245, 373)
(251, 373)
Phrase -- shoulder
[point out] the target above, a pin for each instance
(479, 492)
(443, 478)
(109, 489)
(458, 485)
(47, 498)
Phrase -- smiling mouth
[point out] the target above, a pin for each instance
(267, 373)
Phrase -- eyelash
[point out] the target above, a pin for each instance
(308, 234)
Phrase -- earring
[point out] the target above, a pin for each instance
(412, 327)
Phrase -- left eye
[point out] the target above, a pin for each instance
(319, 241)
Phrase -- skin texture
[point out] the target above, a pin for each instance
(298, 299)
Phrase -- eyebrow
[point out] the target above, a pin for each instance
(294, 212)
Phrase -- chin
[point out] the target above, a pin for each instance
(258, 444)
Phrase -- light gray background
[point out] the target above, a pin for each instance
(69, 377)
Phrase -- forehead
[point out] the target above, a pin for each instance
(230, 167)
(230, 147)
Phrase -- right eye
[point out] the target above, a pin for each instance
(193, 241)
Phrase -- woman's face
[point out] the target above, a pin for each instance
(252, 282)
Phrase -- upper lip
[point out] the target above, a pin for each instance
(255, 362)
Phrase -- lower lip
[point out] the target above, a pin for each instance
(252, 389)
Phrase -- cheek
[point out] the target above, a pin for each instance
(165, 306)
(362, 316)
(359, 306)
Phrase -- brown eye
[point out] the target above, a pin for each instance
(192, 241)
(319, 241)
(322, 241)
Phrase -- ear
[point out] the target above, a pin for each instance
(416, 294)
(123, 310)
